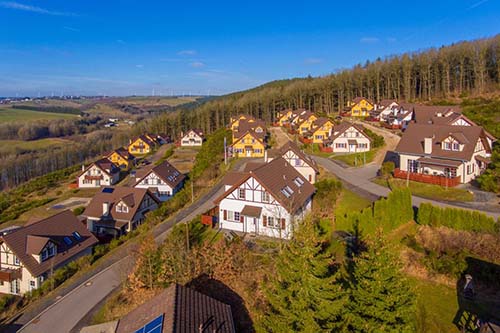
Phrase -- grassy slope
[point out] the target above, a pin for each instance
(437, 303)
(357, 159)
(8, 115)
(428, 190)
(35, 144)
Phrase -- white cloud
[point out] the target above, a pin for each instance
(139, 66)
(187, 52)
(369, 40)
(120, 41)
(197, 64)
(312, 61)
(391, 39)
(477, 4)
(33, 9)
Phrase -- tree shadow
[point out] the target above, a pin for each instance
(221, 292)
(391, 156)
(478, 295)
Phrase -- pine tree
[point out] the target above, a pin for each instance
(380, 299)
(305, 294)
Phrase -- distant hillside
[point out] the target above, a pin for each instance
(450, 73)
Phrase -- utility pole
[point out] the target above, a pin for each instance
(192, 191)
(225, 151)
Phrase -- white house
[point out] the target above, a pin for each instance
(349, 138)
(386, 107)
(100, 173)
(192, 138)
(163, 180)
(114, 211)
(268, 200)
(399, 118)
(303, 163)
(450, 151)
(29, 254)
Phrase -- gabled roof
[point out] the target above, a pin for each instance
(274, 177)
(105, 165)
(131, 196)
(386, 102)
(292, 146)
(196, 131)
(145, 139)
(245, 126)
(435, 114)
(412, 141)
(253, 134)
(359, 99)
(31, 239)
(123, 153)
(344, 126)
(184, 310)
(166, 172)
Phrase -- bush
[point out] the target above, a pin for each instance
(458, 219)
(387, 169)
(377, 140)
(78, 210)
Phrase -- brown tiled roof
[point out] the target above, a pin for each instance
(387, 102)
(145, 139)
(198, 131)
(359, 99)
(166, 172)
(290, 145)
(344, 126)
(245, 126)
(184, 310)
(252, 166)
(31, 239)
(428, 114)
(437, 161)
(131, 196)
(257, 137)
(274, 176)
(123, 153)
(412, 141)
(233, 177)
(252, 211)
(105, 165)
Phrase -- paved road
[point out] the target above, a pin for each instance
(63, 315)
(359, 180)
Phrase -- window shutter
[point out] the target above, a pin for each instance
(264, 221)
(241, 218)
(225, 214)
(283, 223)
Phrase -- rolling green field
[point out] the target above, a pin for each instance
(35, 144)
(8, 114)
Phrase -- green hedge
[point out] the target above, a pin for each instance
(458, 219)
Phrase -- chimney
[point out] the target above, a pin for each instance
(265, 156)
(83, 167)
(428, 145)
(105, 208)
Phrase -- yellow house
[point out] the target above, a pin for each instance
(141, 145)
(258, 127)
(306, 125)
(235, 122)
(284, 117)
(122, 158)
(360, 107)
(248, 145)
(322, 130)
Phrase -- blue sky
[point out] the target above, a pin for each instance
(200, 47)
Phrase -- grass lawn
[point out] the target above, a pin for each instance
(429, 191)
(436, 306)
(347, 203)
(357, 159)
(9, 115)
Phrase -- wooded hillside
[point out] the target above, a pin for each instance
(460, 70)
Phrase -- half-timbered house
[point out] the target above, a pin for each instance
(268, 200)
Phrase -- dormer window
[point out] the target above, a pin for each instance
(48, 251)
(122, 208)
(456, 146)
(447, 146)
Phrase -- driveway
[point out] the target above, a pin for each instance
(391, 141)
(63, 314)
(359, 181)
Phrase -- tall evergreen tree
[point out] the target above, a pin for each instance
(305, 295)
(380, 299)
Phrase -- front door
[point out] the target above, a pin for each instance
(249, 153)
(352, 148)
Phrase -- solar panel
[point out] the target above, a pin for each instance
(77, 235)
(67, 240)
(154, 326)
(108, 190)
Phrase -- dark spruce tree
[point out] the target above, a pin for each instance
(305, 294)
(380, 298)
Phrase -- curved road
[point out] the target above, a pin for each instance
(359, 179)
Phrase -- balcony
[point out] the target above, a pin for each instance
(10, 274)
(428, 179)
